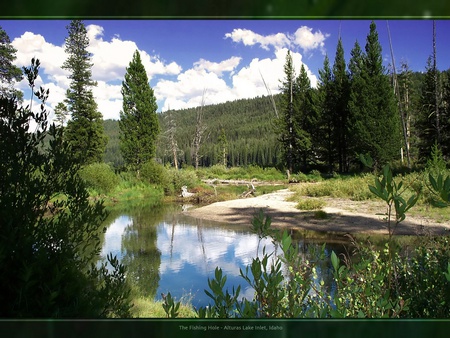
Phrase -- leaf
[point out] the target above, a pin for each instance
(377, 192)
(433, 182)
(335, 261)
(447, 274)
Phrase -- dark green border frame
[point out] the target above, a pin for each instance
(225, 9)
(249, 9)
(227, 328)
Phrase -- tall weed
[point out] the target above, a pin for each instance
(354, 188)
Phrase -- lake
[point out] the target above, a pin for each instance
(167, 251)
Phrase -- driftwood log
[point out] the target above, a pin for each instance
(185, 193)
(250, 191)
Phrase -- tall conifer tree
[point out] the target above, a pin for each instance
(9, 73)
(375, 121)
(340, 111)
(326, 108)
(305, 118)
(139, 126)
(286, 120)
(85, 130)
(426, 120)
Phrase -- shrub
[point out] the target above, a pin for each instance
(354, 188)
(47, 261)
(100, 177)
(153, 172)
(310, 204)
(175, 179)
(218, 170)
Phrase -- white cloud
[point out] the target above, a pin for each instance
(110, 60)
(31, 45)
(187, 90)
(218, 67)
(307, 40)
(250, 38)
(109, 99)
(226, 80)
(303, 37)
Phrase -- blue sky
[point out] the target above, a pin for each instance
(227, 58)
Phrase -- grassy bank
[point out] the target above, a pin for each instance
(148, 308)
(356, 188)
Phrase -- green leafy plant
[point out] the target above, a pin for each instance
(391, 192)
(50, 233)
(100, 177)
(310, 204)
(440, 189)
(171, 308)
(224, 302)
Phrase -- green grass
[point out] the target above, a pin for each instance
(241, 173)
(357, 188)
(354, 188)
(320, 214)
(147, 308)
(310, 204)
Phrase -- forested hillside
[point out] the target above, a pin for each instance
(248, 126)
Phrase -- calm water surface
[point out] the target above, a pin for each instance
(167, 251)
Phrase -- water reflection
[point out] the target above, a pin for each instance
(165, 251)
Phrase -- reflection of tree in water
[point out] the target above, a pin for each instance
(311, 249)
(141, 255)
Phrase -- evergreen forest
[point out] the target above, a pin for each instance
(250, 130)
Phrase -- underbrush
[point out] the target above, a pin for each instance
(241, 173)
(354, 188)
(376, 283)
(310, 204)
(149, 308)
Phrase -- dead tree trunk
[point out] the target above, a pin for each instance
(400, 108)
(172, 129)
(199, 131)
(436, 90)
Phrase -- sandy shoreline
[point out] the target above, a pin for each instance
(340, 220)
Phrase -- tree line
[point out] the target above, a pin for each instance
(359, 107)
(355, 110)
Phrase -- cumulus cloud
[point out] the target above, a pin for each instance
(110, 60)
(186, 91)
(218, 67)
(250, 38)
(304, 38)
(307, 40)
(175, 88)
(31, 45)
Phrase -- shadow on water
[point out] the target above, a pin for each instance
(165, 251)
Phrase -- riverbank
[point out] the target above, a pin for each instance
(337, 216)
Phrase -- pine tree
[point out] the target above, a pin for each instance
(375, 121)
(61, 114)
(223, 147)
(341, 88)
(445, 140)
(286, 120)
(139, 125)
(9, 73)
(305, 120)
(426, 120)
(326, 108)
(85, 130)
